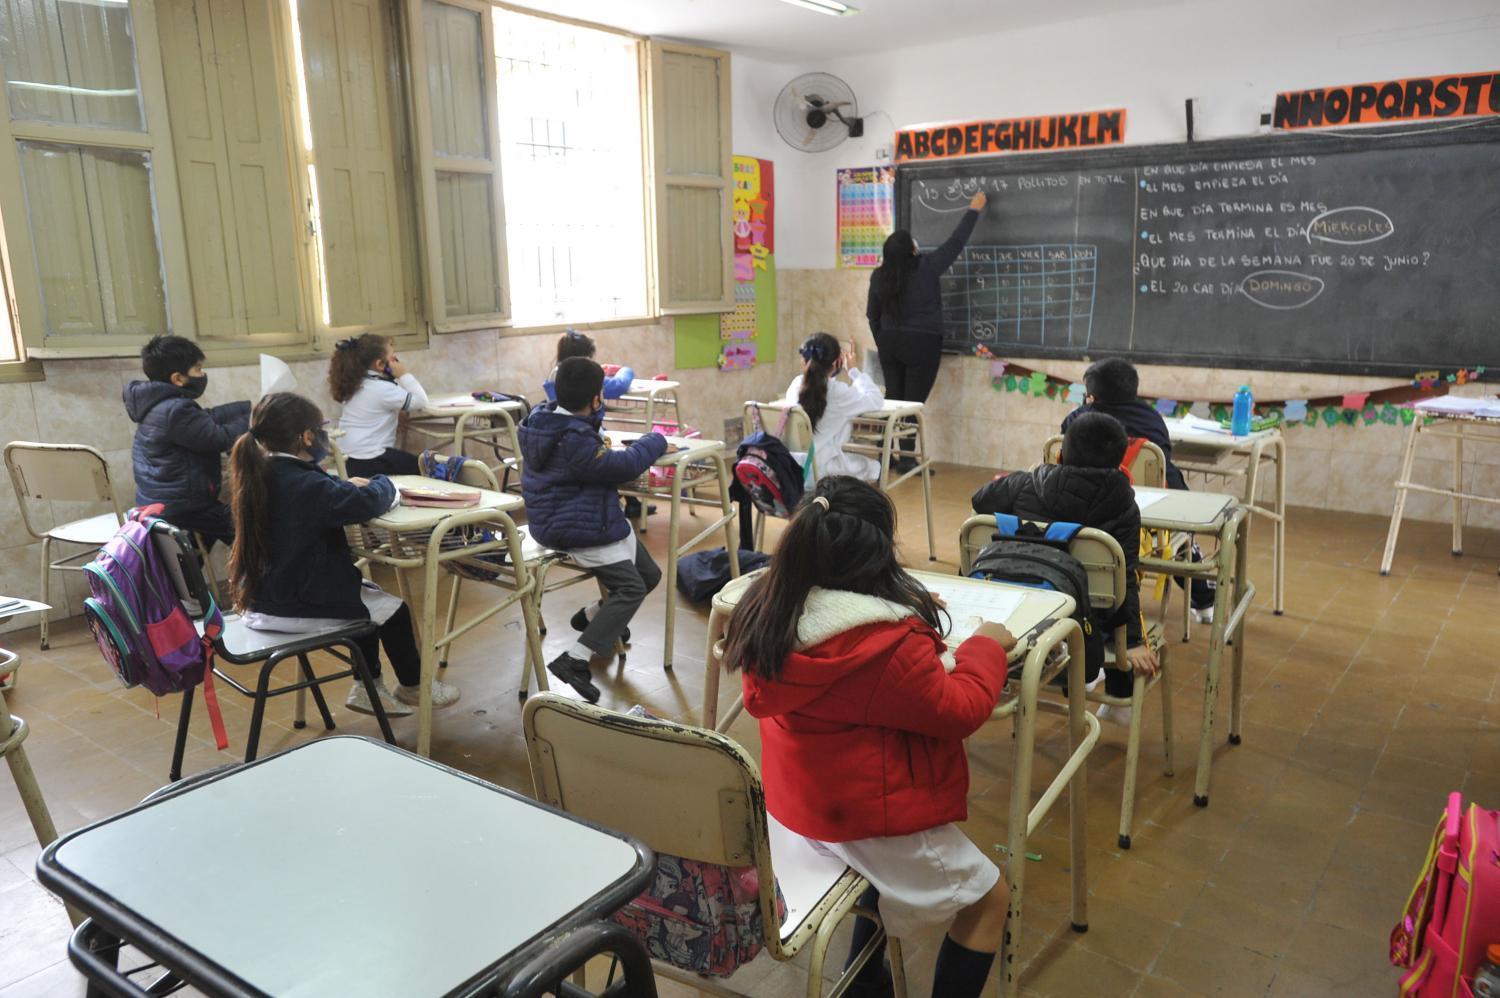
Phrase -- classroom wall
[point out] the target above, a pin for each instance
(1232, 58)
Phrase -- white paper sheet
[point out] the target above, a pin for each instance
(970, 605)
(1460, 405)
(275, 376)
(1145, 500)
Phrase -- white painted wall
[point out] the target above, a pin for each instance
(1233, 57)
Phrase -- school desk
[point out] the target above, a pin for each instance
(425, 537)
(1225, 518)
(1458, 427)
(281, 881)
(1047, 641)
(693, 464)
(454, 420)
(646, 404)
(878, 434)
(1207, 452)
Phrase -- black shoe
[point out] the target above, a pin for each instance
(902, 465)
(575, 672)
(580, 624)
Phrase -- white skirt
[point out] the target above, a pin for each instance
(924, 879)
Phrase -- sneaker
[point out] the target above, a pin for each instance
(1116, 715)
(580, 624)
(359, 701)
(575, 672)
(443, 694)
(1205, 615)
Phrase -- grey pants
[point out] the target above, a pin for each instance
(626, 584)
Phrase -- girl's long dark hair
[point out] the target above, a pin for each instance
(277, 424)
(351, 360)
(898, 261)
(849, 546)
(821, 351)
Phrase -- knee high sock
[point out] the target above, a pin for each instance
(960, 972)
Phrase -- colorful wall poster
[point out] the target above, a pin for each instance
(866, 214)
(746, 335)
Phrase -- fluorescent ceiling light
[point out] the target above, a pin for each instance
(833, 8)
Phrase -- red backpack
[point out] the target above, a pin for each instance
(1453, 912)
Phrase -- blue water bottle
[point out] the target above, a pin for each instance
(1244, 405)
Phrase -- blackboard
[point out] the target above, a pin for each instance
(1359, 252)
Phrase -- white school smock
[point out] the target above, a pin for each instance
(369, 418)
(845, 403)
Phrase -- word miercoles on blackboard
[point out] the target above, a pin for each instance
(1467, 95)
(985, 138)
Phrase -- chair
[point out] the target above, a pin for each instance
(796, 432)
(63, 473)
(1101, 557)
(609, 768)
(1149, 469)
(238, 644)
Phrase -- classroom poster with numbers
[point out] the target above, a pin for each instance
(739, 339)
(866, 214)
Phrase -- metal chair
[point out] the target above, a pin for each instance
(607, 767)
(241, 645)
(795, 430)
(63, 473)
(1101, 557)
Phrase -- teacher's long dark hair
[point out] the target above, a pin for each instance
(898, 261)
(276, 426)
(850, 545)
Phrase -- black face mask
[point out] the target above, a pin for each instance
(195, 386)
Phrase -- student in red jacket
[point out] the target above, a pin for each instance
(862, 726)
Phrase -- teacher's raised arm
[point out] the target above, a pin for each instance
(905, 310)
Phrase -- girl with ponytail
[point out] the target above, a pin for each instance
(833, 403)
(376, 390)
(290, 568)
(862, 727)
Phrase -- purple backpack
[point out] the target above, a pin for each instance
(139, 622)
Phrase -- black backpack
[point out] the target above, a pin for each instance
(1024, 555)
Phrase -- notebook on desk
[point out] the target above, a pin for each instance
(440, 498)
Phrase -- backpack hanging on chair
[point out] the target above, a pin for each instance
(766, 471)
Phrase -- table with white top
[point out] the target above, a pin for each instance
(648, 403)
(694, 464)
(282, 881)
(1225, 518)
(1457, 426)
(410, 537)
(1048, 640)
(454, 420)
(1205, 451)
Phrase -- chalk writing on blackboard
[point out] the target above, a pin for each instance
(1041, 294)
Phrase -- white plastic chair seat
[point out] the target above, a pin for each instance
(95, 530)
(805, 875)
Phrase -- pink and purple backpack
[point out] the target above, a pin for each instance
(140, 624)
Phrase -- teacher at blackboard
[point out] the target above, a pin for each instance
(905, 309)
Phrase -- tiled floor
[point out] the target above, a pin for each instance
(1367, 703)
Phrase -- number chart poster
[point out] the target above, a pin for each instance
(866, 214)
(741, 338)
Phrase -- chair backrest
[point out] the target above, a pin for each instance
(685, 791)
(180, 556)
(476, 475)
(58, 472)
(1098, 552)
(1149, 468)
(798, 434)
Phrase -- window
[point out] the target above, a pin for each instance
(573, 158)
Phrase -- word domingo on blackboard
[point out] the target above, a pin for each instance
(1395, 100)
(983, 138)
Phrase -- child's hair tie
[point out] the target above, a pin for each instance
(348, 343)
(821, 501)
(808, 351)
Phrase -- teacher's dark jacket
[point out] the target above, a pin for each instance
(312, 571)
(922, 305)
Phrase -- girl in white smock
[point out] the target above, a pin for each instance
(833, 402)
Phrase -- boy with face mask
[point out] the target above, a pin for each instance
(570, 478)
(178, 442)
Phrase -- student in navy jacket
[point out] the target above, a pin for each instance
(290, 568)
(570, 478)
(178, 443)
(905, 311)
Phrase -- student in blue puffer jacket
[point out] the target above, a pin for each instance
(570, 478)
(178, 443)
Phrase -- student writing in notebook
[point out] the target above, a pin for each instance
(291, 569)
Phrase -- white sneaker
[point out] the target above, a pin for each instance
(443, 695)
(1093, 684)
(359, 701)
(1116, 715)
(1205, 615)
